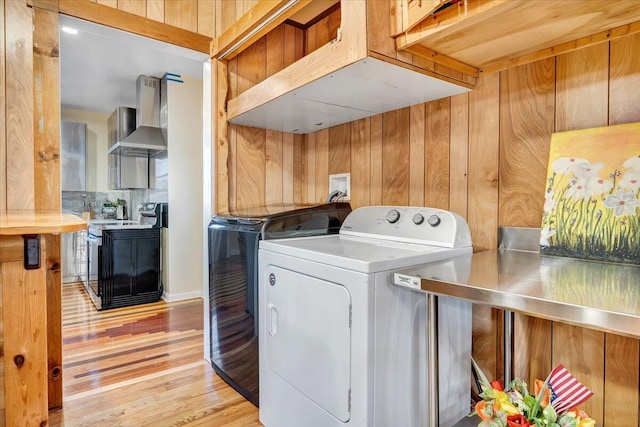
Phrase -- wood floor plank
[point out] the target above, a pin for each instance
(141, 365)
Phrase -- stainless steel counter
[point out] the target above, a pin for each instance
(596, 295)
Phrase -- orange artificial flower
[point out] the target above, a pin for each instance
(537, 386)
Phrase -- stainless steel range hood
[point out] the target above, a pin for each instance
(147, 140)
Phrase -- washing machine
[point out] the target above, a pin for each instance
(340, 345)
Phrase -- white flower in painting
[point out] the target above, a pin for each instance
(623, 202)
(565, 165)
(545, 234)
(549, 201)
(630, 181)
(587, 170)
(633, 163)
(585, 188)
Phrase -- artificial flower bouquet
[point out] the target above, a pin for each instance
(554, 403)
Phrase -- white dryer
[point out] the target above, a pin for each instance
(340, 345)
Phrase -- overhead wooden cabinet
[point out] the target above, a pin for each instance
(492, 35)
(356, 74)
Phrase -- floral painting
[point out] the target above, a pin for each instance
(592, 199)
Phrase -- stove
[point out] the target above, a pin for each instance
(96, 226)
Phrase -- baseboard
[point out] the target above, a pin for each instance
(181, 296)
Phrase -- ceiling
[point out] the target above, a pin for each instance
(99, 65)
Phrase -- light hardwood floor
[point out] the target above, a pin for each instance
(141, 366)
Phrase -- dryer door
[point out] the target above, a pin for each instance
(308, 340)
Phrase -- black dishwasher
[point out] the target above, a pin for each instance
(233, 280)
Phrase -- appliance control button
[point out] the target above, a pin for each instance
(434, 220)
(418, 219)
(393, 216)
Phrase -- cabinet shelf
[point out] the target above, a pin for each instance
(349, 78)
(495, 34)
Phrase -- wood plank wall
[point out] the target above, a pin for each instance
(483, 155)
(198, 16)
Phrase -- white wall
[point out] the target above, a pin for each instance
(97, 146)
(184, 271)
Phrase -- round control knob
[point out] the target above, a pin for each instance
(393, 216)
(418, 219)
(434, 220)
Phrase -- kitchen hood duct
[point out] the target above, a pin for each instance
(147, 140)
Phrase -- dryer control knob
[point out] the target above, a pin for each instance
(418, 219)
(393, 216)
(434, 220)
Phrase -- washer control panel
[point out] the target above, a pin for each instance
(411, 224)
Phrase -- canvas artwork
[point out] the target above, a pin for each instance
(592, 199)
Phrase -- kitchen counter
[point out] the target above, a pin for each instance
(597, 295)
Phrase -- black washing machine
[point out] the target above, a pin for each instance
(233, 280)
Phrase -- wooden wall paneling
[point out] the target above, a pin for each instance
(221, 132)
(375, 196)
(233, 166)
(582, 88)
(251, 167)
(251, 68)
(416, 154)
(46, 81)
(621, 353)
(227, 14)
(274, 139)
(340, 149)
(310, 166)
(289, 37)
(323, 35)
(621, 362)
(288, 168)
(206, 17)
(299, 169)
(436, 154)
(360, 162)
(581, 351)
(46, 89)
(379, 22)
(19, 105)
(248, 4)
(532, 348)
(110, 3)
(624, 81)
(273, 167)
(395, 157)
(182, 14)
(155, 10)
(482, 215)
(311, 39)
(322, 165)
(459, 154)
(526, 123)
(136, 7)
(3, 100)
(26, 404)
(484, 139)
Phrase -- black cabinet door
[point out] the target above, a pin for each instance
(147, 267)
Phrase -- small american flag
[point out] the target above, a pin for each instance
(566, 391)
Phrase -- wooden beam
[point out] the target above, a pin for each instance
(239, 36)
(11, 249)
(105, 15)
(50, 5)
(423, 52)
(24, 321)
(601, 37)
(221, 148)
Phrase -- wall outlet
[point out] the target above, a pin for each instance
(341, 182)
